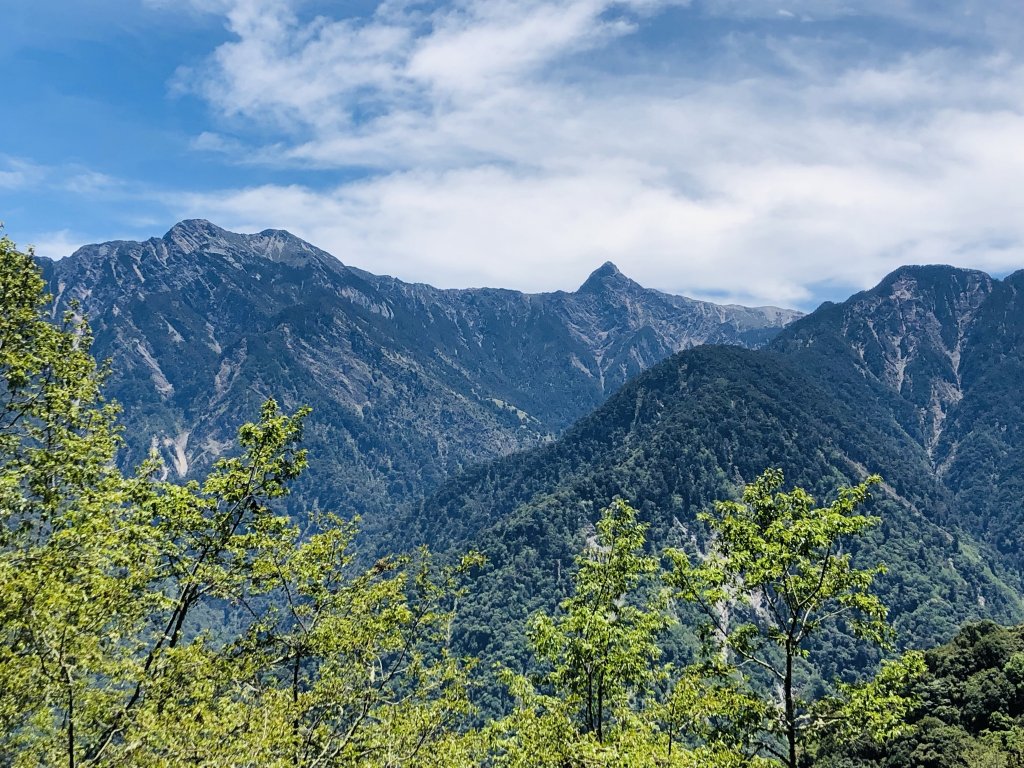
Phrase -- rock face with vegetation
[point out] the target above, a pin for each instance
(149, 622)
(407, 383)
(947, 348)
(913, 380)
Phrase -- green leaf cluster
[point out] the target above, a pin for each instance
(776, 575)
(966, 708)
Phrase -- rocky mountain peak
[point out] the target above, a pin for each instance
(282, 246)
(930, 306)
(941, 287)
(276, 245)
(202, 322)
(931, 273)
(606, 277)
(196, 234)
(915, 332)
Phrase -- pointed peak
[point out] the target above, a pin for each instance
(604, 277)
(193, 234)
(194, 226)
(606, 269)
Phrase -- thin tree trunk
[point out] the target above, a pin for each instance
(71, 728)
(295, 703)
(790, 708)
(590, 703)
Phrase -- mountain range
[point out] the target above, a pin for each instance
(504, 421)
(408, 383)
(916, 379)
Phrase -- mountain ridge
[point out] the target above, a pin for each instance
(425, 398)
(954, 379)
(408, 382)
(820, 403)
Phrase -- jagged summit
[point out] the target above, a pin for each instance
(604, 277)
(196, 234)
(279, 245)
(931, 274)
(202, 323)
(195, 226)
(608, 268)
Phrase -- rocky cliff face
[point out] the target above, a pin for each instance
(945, 348)
(911, 333)
(408, 383)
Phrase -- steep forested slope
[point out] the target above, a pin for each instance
(916, 379)
(948, 345)
(690, 431)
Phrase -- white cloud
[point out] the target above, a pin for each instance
(495, 43)
(90, 183)
(56, 245)
(12, 179)
(498, 158)
(21, 174)
(17, 173)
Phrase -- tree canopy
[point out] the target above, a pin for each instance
(778, 571)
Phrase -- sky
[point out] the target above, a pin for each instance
(759, 152)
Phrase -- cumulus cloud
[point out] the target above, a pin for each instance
(523, 143)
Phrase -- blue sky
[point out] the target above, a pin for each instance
(744, 150)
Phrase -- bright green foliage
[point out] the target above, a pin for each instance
(153, 624)
(775, 575)
(540, 733)
(604, 702)
(601, 655)
(967, 709)
(708, 706)
(339, 668)
(146, 623)
(72, 558)
(876, 709)
(603, 647)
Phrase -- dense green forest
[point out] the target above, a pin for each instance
(152, 623)
(968, 708)
(682, 435)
